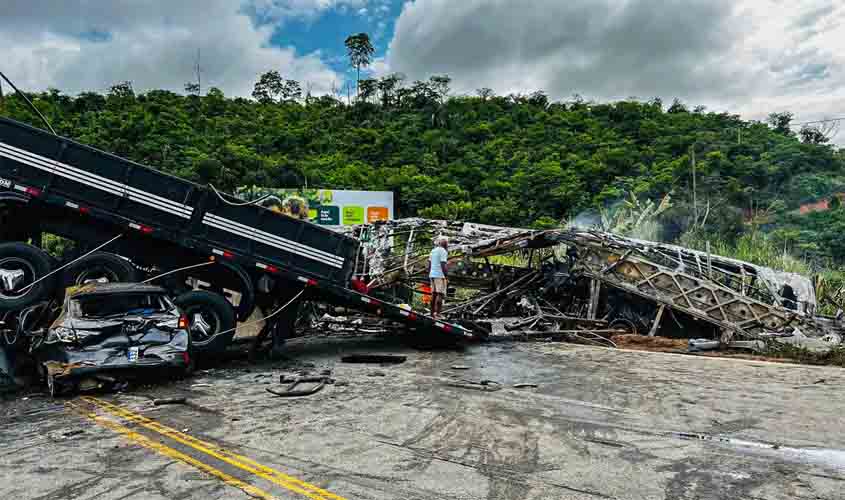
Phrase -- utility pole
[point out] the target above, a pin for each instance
(1, 93)
(198, 70)
(694, 192)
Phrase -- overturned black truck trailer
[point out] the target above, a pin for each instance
(158, 223)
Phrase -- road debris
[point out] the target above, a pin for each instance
(169, 401)
(483, 385)
(292, 390)
(383, 359)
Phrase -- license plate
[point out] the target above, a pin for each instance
(133, 354)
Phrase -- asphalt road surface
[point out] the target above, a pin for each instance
(600, 424)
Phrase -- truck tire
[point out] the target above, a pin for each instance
(211, 320)
(101, 266)
(35, 263)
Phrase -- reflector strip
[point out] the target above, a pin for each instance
(95, 181)
(272, 240)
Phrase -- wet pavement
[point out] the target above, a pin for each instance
(599, 424)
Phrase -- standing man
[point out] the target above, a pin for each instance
(438, 268)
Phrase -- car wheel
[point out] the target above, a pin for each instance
(22, 265)
(211, 320)
(101, 267)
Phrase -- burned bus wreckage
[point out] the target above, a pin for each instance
(588, 285)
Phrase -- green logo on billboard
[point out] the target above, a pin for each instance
(353, 215)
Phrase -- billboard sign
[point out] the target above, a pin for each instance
(327, 207)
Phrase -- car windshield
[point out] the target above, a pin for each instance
(101, 306)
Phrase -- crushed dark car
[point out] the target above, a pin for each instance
(111, 333)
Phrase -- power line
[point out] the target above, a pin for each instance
(820, 121)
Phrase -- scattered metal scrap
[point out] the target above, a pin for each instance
(292, 390)
(589, 285)
(483, 385)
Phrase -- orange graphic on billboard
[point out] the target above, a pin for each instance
(376, 213)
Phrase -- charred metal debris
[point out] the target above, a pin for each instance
(588, 285)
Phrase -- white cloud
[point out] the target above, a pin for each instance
(746, 56)
(378, 68)
(276, 11)
(153, 45)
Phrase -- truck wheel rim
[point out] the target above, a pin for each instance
(98, 274)
(203, 325)
(17, 264)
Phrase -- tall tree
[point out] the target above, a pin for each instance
(781, 122)
(291, 90)
(387, 85)
(819, 133)
(677, 107)
(485, 93)
(268, 87)
(360, 52)
(812, 135)
(440, 85)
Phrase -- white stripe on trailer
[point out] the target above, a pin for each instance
(72, 205)
(94, 177)
(367, 300)
(302, 279)
(96, 181)
(103, 185)
(276, 242)
(252, 234)
(217, 252)
(278, 238)
(259, 265)
(135, 226)
(71, 176)
(239, 232)
(20, 188)
(273, 237)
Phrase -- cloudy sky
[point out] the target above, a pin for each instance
(746, 56)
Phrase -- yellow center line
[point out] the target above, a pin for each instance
(275, 476)
(174, 454)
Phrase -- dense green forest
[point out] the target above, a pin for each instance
(521, 160)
